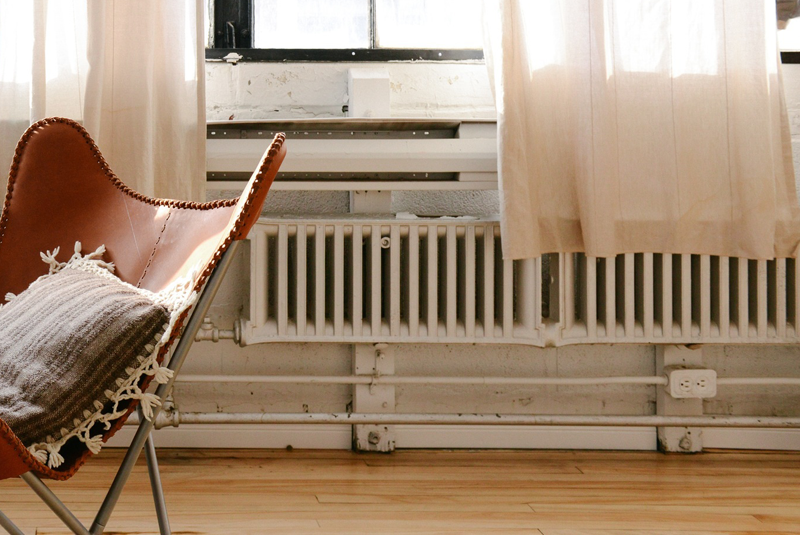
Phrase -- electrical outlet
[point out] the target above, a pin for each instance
(691, 382)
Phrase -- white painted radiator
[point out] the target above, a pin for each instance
(444, 280)
(670, 298)
(378, 280)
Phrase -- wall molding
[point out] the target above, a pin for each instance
(752, 439)
(457, 437)
(408, 436)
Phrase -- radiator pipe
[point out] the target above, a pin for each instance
(176, 418)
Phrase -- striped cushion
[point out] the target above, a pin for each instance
(66, 345)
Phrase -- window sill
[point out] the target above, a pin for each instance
(292, 55)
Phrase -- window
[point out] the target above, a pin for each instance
(346, 30)
(789, 37)
(789, 42)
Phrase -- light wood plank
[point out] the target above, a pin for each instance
(438, 492)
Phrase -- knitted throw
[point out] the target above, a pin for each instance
(74, 346)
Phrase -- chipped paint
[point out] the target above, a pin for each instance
(279, 90)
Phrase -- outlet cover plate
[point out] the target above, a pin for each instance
(687, 382)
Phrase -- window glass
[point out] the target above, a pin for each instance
(429, 24)
(789, 37)
(311, 24)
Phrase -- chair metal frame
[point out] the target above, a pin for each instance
(142, 439)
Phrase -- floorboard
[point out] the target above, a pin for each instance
(437, 492)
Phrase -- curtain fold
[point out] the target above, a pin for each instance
(787, 9)
(130, 71)
(641, 126)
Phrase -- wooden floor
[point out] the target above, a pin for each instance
(436, 492)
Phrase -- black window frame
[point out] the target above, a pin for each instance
(239, 13)
(233, 33)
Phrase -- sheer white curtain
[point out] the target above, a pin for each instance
(130, 70)
(787, 9)
(641, 126)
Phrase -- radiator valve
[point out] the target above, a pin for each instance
(208, 332)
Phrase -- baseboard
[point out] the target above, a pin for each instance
(751, 438)
(457, 436)
(337, 437)
(526, 437)
(407, 436)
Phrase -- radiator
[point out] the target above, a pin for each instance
(671, 298)
(373, 280)
(444, 281)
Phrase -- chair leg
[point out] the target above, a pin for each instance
(52, 501)
(123, 472)
(175, 363)
(8, 525)
(66, 516)
(155, 484)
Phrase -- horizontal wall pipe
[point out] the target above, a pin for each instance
(791, 381)
(176, 418)
(395, 380)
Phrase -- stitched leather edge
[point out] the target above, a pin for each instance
(103, 166)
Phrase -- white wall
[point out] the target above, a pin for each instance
(269, 90)
(280, 90)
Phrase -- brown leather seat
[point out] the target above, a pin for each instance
(61, 190)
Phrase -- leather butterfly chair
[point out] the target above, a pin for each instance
(61, 190)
